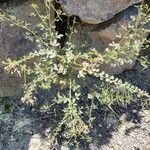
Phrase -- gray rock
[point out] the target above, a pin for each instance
(64, 148)
(1, 145)
(99, 36)
(95, 11)
(107, 32)
(38, 143)
(13, 44)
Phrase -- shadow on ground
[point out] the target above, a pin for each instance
(26, 127)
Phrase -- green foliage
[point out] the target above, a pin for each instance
(130, 44)
(145, 62)
(65, 67)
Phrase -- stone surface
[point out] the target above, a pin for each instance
(95, 11)
(37, 143)
(99, 36)
(127, 135)
(14, 45)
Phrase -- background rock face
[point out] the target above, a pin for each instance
(95, 11)
(98, 27)
(99, 36)
(13, 44)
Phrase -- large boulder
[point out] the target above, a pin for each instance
(13, 44)
(100, 36)
(95, 11)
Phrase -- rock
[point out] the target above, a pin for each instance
(111, 120)
(1, 145)
(145, 114)
(10, 86)
(95, 11)
(114, 70)
(123, 118)
(126, 127)
(99, 36)
(38, 143)
(64, 148)
(13, 44)
(102, 34)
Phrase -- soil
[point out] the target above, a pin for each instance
(23, 127)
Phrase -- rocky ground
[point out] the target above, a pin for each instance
(24, 127)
